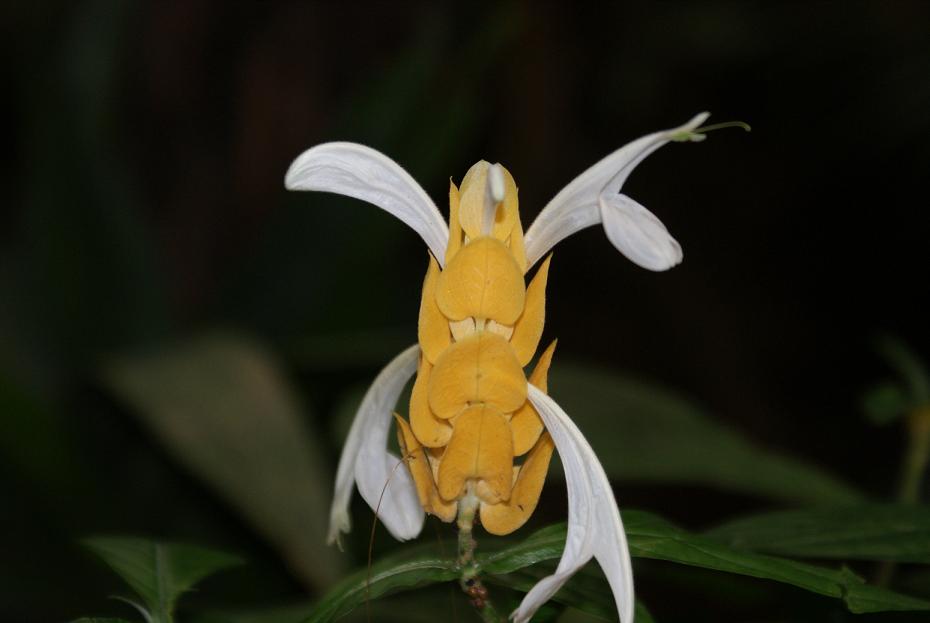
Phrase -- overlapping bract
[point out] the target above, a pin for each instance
(472, 411)
(479, 325)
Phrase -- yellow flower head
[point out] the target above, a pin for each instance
(480, 434)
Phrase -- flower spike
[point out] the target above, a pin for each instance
(366, 460)
(364, 173)
(594, 525)
(594, 197)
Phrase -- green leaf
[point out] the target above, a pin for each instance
(585, 591)
(894, 532)
(416, 568)
(222, 406)
(159, 572)
(99, 620)
(652, 537)
(885, 403)
(646, 433)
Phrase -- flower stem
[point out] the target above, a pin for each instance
(470, 579)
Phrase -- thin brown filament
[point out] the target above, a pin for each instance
(371, 537)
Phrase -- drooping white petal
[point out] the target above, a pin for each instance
(366, 460)
(594, 526)
(367, 174)
(577, 206)
(638, 234)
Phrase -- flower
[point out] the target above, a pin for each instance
(472, 409)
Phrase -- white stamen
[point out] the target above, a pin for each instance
(493, 197)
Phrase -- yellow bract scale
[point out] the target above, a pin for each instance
(481, 448)
(525, 423)
(529, 327)
(455, 229)
(418, 463)
(433, 328)
(473, 198)
(482, 368)
(505, 517)
(482, 281)
(479, 325)
(430, 430)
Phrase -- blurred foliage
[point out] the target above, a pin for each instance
(866, 532)
(159, 573)
(645, 432)
(221, 405)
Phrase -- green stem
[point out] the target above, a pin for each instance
(918, 454)
(913, 469)
(470, 579)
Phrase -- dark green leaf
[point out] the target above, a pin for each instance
(159, 572)
(223, 407)
(585, 591)
(866, 532)
(653, 537)
(647, 433)
(417, 568)
(99, 620)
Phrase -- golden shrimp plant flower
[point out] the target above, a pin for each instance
(480, 434)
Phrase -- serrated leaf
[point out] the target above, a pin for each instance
(159, 573)
(653, 537)
(222, 406)
(644, 432)
(893, 532)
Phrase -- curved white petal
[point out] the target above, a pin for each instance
(577, 205)
(638, 233)
(365, 459)
(367, 174)
(594, 526)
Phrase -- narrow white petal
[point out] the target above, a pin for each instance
(365, 459)
(367, 174)
(576, 206)
(594, 526)
(638, 233)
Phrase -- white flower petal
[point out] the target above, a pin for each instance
(594, 526)
(367, 174)
(366, 460)
(638, 233)
(576, 207)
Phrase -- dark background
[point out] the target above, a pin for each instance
(144, 182)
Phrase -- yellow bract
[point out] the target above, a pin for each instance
(504, 518)
(432, 328)
(419, 464)
(529, 327)
(481, 448)
(482, 368)
(479, 325)
(474, 199)
(482, 281)
(430, 430)
(525, 423)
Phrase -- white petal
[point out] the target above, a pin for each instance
(367, 174)
(638, 233)
(576, 206)
(594, 526)
(366, 459)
